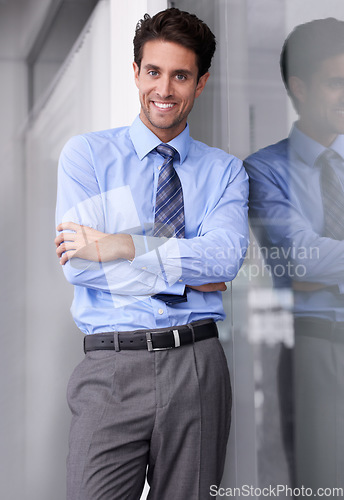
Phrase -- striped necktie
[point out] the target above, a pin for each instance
(169, 205)
(332, 195)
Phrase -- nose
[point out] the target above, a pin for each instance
(163, 88)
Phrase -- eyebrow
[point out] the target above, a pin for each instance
(176, 71)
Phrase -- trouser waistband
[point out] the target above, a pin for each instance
(152, 340)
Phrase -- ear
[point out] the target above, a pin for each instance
(297, 88)
(201, 84)
(136, 73)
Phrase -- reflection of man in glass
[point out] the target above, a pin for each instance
(297, 211)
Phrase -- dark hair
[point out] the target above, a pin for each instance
(173, 25)
(308, 45)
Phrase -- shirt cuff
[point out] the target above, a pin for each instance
(160, 256)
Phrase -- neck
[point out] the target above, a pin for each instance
(319, 135)
(164, 134)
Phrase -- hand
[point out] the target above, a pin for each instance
(84, 242)
(307, 286)
(88, 243)
(210, 287)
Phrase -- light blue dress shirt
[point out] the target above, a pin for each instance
(107, 180)
(287, 215)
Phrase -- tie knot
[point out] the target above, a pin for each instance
(166, 151)
(329, 157)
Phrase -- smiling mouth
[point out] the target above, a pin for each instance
(163, 105)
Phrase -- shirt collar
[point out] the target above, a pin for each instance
(308, 149)
(145, 141)
(338, 145)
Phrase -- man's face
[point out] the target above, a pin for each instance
(167, 83)
(322, 101)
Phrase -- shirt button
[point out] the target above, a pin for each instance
(159, 167)
(161, 311)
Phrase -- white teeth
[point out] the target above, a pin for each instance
(163, 105)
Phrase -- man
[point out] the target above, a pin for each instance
(151, 224)
(296, 206)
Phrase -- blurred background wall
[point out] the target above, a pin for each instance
(66, 68)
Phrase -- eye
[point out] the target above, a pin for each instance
(336, 83)
(181, 77)
(152, 72)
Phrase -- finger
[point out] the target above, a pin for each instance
(60, 238)
(65, 247)
(66, 257)
(68, 225)
(59, 251)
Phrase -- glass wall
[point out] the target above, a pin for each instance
(273, 355)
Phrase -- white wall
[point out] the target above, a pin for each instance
(124, 96)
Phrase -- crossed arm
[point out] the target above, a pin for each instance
(90, 244)
(278, 223)
(105, 248)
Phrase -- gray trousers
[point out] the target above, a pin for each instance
(166, 413)
(319, 403)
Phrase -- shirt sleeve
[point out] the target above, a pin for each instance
(217, 253)
(284, 232)
(79, 200)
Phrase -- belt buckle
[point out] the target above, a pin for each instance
(151, 348)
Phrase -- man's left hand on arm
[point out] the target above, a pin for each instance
(210, 287)
(87, 243)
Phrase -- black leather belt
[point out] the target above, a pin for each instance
(153, 340)
(310, 326)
